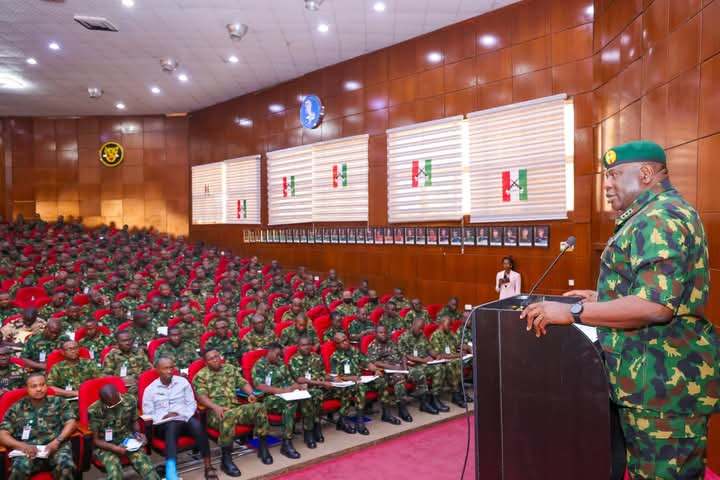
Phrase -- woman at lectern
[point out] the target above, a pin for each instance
(507, 281)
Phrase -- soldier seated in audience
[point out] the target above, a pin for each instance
(259, 337)
(142, 329)
(12, 375)
(197, 294)
(336, 319)
(116, 317)
(229, 300)
(225, 343)
(216, 386)
(293, 311)
(417, 311)
(38, 346)
(74, 318)
(95, 340)
(284, 299)
(20, 329)
(361, 326)
(39, 420)
(391, 318)
(113, 287)
(7, 309)
(185, 301)
(167, 298)
(332, 277)
(112, 419)
(334, 293)
(133, 299)
(414, 345)
(67, 375)
(159, 316)
(446, 345)
(170, 402)
(96, 301)
(191, 328)
(399, 299)
(312, 298)
(361, 291)
(221, 313)
(299, 275)
(348, 307)
(302, 326)
(259, 297)
(126, 361)
(55, 305)
(271, 376)
(450, 310)
(373, 301)
(177, 349)
(278, 283)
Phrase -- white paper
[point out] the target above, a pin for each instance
(345, 384)
(294, 395)
(588, 331)
(132, 444)
(42, 452)
(367, 378)
(389, 370)
(184, 371)
(435, 362)
(176, 418)
(467, 356)
(162, 331)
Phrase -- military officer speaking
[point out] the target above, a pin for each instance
(661, 354)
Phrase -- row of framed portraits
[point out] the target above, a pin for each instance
(488, 236)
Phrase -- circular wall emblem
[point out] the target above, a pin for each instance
(311, 111)
(111, 154)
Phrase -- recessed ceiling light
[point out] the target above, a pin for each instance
(313, 5)
(31, 61)
(237, 30)
(244, 122)
(128, 3)
(120, 106)
(323, 28)
(590, 10)
(11, 82)
(183, 78)
(488, 40)
(95, 92)
(379, 7)
(275, 108)
(54, 46)
(155, 90)
(233, 59)
(434, 57)
(352, 85)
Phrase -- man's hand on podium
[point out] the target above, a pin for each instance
(586, 295)
(540, 315)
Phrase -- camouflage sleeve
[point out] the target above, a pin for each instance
(9, 419)
(313, 336)
(95, 423)
(66, 412)
(293, 367)
(240, 382)
(355, 327)
(372, 352)
(200, 384)
(258, 374)
(435, 342)
(28, 349)
(109, 364)
(659, 257)
(403, 345)
(285, 337)
(54, 378)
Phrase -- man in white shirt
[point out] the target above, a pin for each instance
(170, 402)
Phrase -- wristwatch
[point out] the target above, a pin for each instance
(576, 309)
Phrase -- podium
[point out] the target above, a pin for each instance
(542, 404)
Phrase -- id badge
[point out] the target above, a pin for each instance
(447, 349)
(92, 354)
(68, 387)
(26, 433)
(347, 369)
(268, 380)
(415, 353)
(108, 435)
(308, 375)
(42, 358)
(123, 371)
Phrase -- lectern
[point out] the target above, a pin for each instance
(542, 405)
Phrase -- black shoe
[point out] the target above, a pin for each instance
(309, 439)
(226, 462)
(263, 451)
(403, 412)
(362, 429)
(427, 406)
(288, 450)
(344, 424)
(317, 433)
(457, 399)
(441, 407)
(388, 417)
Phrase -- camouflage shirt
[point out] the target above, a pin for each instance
(38, 346)
(329, 334)
(357, 326)
(358, 294)
(46, 421)
(97, 345)
(183, 355)
(659, 253)
(291, 335)
(232, 326)
(73, 324)
(411, 315)
(134, 361)
(113, 322)
(348, 362)
(332, 297)
(12, 377)
(142, 335)
(48, 309)
(272, 375)
(120, 420)
(346, 310)
(9, 312)
(131, 304)
(254, 341)
(191, 332)
(167, 301)
(288, 316)
(310, 366)
(453, 315)
(158, 318)
(400, 304)
(312, 302)
(387, 352)
(220, 386)
(65, 374)
(445, 343)
(418, 346)
(228, 347)
(393, 322)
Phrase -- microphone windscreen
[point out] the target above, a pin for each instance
(571, 241)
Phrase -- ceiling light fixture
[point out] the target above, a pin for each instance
(590, 10)
(11, 82)
(155, 90)
(95, 92)
(488, 40)
(233, 59)
(352, 85)
(275, 108)
(183, 77)
(243, 122)
(54, 46)
(434, 57)
(31, 61)
(323, 28)
(128, 3)
(379, 7)
(313, 5)
(120, 106)
(237, 31)
(169, 64)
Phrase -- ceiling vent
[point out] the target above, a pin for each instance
(95, 23)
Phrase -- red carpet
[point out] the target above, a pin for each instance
(439, 450)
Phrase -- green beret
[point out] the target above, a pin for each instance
(642, 151)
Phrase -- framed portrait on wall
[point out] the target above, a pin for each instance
(525, 237)
(351, 235)
(369, 235)
(246, 236)
(388, 235)
(311, 235)
(296, 235)
(511, 237)
(456, 236)
(399, 234)
(263, 237)
(409, 235)
(326, 235)
(431, 236)
(378, 235)
(468, 234)
(496, 236)
(482, 236)
(334, 238)
(282, 235)
(276, 235)
(360, 235)
(342, 235)
(443, 235)
(420, 236)
(304, 235)
(541, 237)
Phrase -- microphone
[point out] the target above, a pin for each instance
(570, 242)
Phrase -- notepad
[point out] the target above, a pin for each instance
(294, 395)
(345, 384)
(41, 452)
(436, 362)
(367, 378)
(162, 331)
(132, 444)
(390, 370)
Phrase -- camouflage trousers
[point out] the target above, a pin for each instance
(139, 460)
(356, 395)
(248, 414)
(287, 409)
(398, 382)
(664, 448)
(311, 409)
(435, 374)
(60, 463)
(452, 374)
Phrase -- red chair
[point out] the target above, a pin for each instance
(326, 351)
(396, 334)
(57, 314)
(7, 284)
(153, 346)
(244, 331)
(100, 313)
(376, 315)
(325, 292)
(271, 298)
(279, 327)
(242, 314)
(81, 299)
(429, 329)
(208, 318)
(265, 270)
(299, 295)
(159, 282)
(18, 361)
(289, 352)
(362, 301)
(151, 294)
(124, 325)
(105, 351)
(40, 302)
(99, 286)
(321, 324)
(385, 298)
(26, 295)
(317, 311)
(245, 301)
(120, 296)
(174, 321)
(43, 280)
(57, 356)
(433, 310)
(280, 311)
(404, 312)
(330, 405)
(456, 325)
(334, 304)
(346, 322)
(209, 303)
(244, 288)
(365, 342)
(289, 276)
(193, 304)
(296, 284)
(11, 318)
(207, 335)
(81, 332)
(248, 361)
(194, 368)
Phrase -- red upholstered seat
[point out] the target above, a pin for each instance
(365, 342)
(430, 329)
(321, 324)
(433, 310)
(334, 304)
(317, 311)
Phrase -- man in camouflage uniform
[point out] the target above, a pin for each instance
(450, 310)
(284, 299)
(56, 305)
(159, 316)
(125, 361)
(361, 326)
(216, 386)
(299, 275)
(221, 313)
(191, 328)
(167, 298)
(133, 299)
(332, 277)
(312, 299)
(116, 317)
(302, 326)
(307, 368)
(207, 285)
(361, 291)
(278, 283)
(334, 294)
(90, 279)
(67, 375)
(112, 419)
(112, 288)
(142, 329)
(197, 294)
(224, 342)
(39, 419)
(348, 307)
(185, 301)
(228, 300)
(293, 311)
(74, 318)
(259, 337)
(258, 298)
(12, 375)
(417, 311)
(96, 301)
(347, 363)
(7, 310)
(95, 340)
(414, 345)
(20, 329)
(336, 319)
(399, 299)
(271, 376)
(385, 354)
(177, 349)
(40, 345)
(660, 353)
(446, 344)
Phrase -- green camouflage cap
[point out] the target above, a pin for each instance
(641, 151)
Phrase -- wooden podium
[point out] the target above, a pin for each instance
(542, 404)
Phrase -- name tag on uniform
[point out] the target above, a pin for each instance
(92, 354)
(415, 353)
(268, 380)
(43, 356)
(108, 435)
(447, 349)
(308, 375)
(123, 371)
(26, 433)
(68, 387)
(347, 369)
